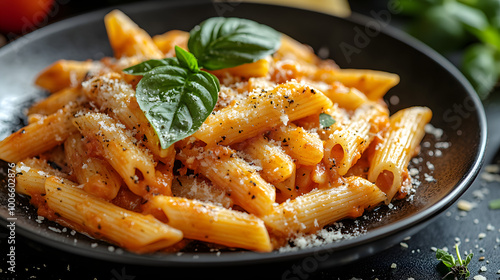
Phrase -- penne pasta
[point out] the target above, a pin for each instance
(293, 144)
(312, 211)
(131, 230)
(31, 175)
(215, 224)
(389, 165)
(260, 111)
(345, 146)
(374, 84)
(194, 188)
(127, 39)
(167, 41)
(57, 101)
(96, 175)
(276, 166)
(40, 136)
(112, 93)
(64, 74)
(135, 166)
(238, 178)
(305, 147)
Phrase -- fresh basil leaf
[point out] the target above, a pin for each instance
(186, 59)
(177, 100)
(480, 67)
(220, 43)
(326, 120)
(148, 65)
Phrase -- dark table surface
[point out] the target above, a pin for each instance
(478, 231)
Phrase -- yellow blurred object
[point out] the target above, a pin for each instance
(259, 68)
(334, 7)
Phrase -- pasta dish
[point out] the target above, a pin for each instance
(293, 144)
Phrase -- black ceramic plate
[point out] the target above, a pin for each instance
(426, 79)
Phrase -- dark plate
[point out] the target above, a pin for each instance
(426, 79)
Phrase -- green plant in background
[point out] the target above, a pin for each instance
(458, 268)
(471, 26)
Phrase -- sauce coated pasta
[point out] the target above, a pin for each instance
(294, 143)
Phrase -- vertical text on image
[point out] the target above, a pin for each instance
(11, 220)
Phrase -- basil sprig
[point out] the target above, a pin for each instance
(176, 95)
(221, 43)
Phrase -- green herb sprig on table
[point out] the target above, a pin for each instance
(458, 268)
(176, 95)
(471, 26)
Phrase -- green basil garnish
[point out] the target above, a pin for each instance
(176, 95)
(220, 43)
(177, 98)
(146, 66)
(325, 120)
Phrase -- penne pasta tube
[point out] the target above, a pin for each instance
(276, 166)
(128, 39)
(320, 207)
(291, 49)
(374, 84)
(31, 175)
(112, 93)
(260, 111)
(167, 41)
(135, 166)
(345, 146)
(389, 164)
(40, 136)
(304, 147)
(96, 175)
(210, 223)
(130, 230)
(287, 189)
(56, 101)
(238, 178)
(194, 188)
(345, 97)
(64, 74)
(259, 68)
